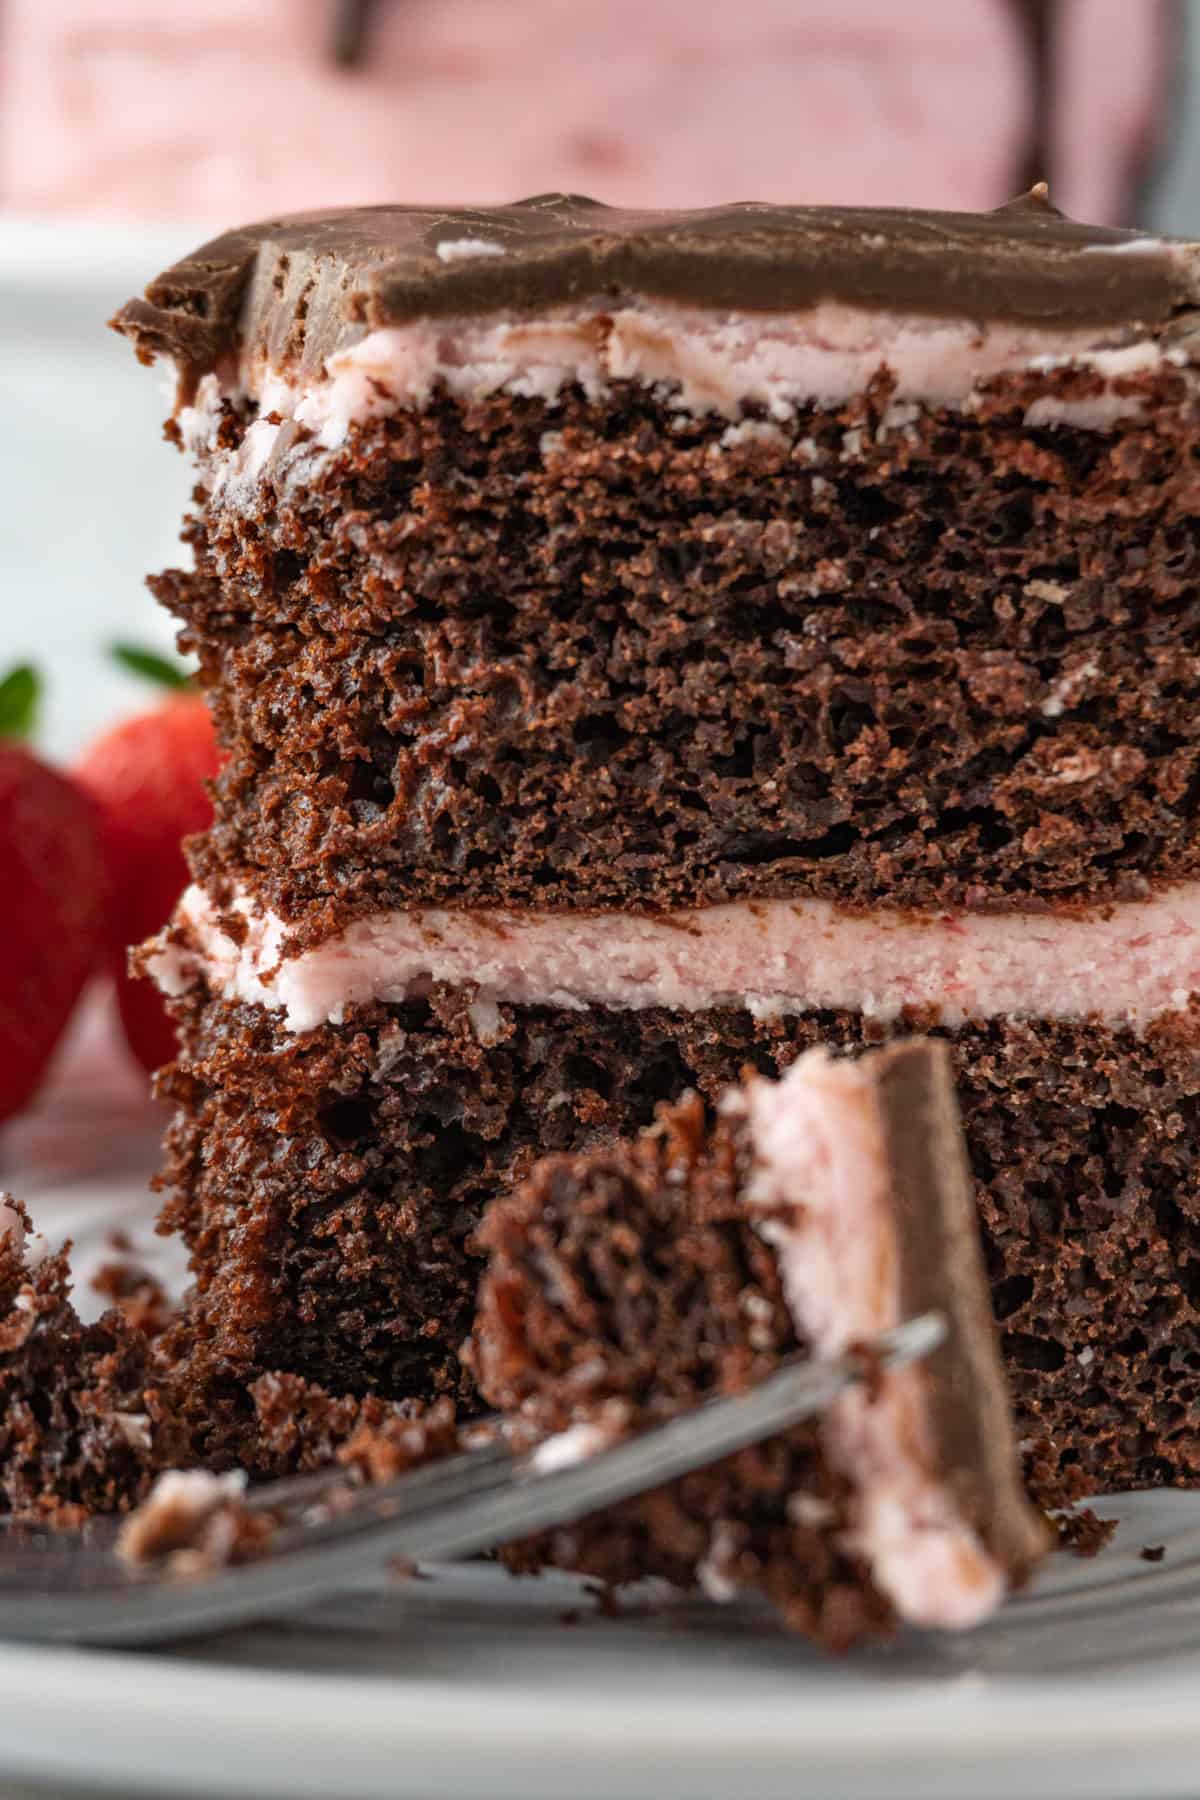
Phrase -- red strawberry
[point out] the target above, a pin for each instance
(148, 775)
(53, 899)
(144, 1020)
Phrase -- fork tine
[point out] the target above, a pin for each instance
(438, 1485)
(293, 1490)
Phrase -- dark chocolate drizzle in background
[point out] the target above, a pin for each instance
(349, 32)
(1038, 19)
(1035, 17)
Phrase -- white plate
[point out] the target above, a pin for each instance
(472, 1686)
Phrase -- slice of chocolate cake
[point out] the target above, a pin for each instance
(629, 1281)
(92, 1416)
(646, 644)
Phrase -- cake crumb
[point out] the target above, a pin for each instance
(194, 1522)
(136, 1294)
(392, 1439)
(1082, 1531)
(606, 1598)
(1152, 1553)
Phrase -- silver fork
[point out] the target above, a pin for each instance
(69, 1588)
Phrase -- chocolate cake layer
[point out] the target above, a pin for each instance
(329, 1184)
(594, 653)
(302, 288)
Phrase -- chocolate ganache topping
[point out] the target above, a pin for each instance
(294, 290)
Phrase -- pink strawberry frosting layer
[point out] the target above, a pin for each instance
(703, 361)
(715, 361)
(821, 1178)
(1126, 964)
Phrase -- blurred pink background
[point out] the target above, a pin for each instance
(217, 110)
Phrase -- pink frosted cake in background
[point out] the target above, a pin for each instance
(136, 108)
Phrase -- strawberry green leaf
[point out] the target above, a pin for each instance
(20, 694)
(161, 670)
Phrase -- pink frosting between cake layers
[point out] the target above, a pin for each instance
(821, 1173)
(1125, 964)
(707, 362)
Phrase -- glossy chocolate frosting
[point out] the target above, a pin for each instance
(299, 288)
(942, 1270)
